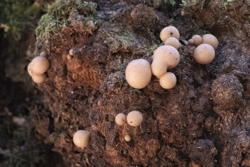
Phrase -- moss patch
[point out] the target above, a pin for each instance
(58, 14)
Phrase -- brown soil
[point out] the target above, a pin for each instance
(203, 121)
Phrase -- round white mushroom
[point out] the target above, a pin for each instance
(120, 119)
(169, 31)
(138, 73)
(168, 55)
(204, 54)
(39, 65)
(81, 138)
(134, 118)
(168, 80)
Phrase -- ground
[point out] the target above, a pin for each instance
(203, 121)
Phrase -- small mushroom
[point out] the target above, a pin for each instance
(138, 73)
(38, 78)
(172, 41)
(39, 65)
(134, 118)
(168, 80)
(196, 40)
(169, 31)
(127, 138)
(29, 69)
(43, 53)
(158, 68)
(120, 119)
(71, 52)
(168, 55)
(204, 54)
(81, 138)
(210, 39)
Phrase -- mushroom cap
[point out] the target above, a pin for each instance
(204, 54)
(29, 69)
(158, 68)
(168, 80)
(138, 73)
(39, 65)
(197, 39)
(43, 53)
(120, 119)
(127, 138)
(81, 138)
(71, 52)
(168, 55)
(172, 41)
(169, 31)
(38, 78)
(134, 118)
(190, 41)
(210, 39)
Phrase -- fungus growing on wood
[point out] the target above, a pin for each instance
(120, 119)
(138, 73)
(196, 40)
(169, 31)
(38, 78)
(168, 55)
(81, 138)
(168, 80)
(39, 65)
(134, 118)
(172, 41)
(210, 39)
(204, 54)
(127, 138)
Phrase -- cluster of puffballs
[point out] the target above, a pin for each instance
(139, 72)
(134, 118)
(38, 67)
(204, 53)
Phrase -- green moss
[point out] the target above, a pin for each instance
(62, 8)
(122, 40)
(150, 49)
(48, 26)
(172, 2)
(17, 16)
(58, 14)
(125, 39)
(187, 3)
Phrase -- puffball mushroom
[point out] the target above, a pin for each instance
(120, 119)
(29, 69)
(168, 55)
(196, 40)
(204, 54)
(173, 42)
(38, 78)
(158, 68)
(138, 73)
(169, 31)
(127, 138)
(210, 39)
(168, 80)
(81, 138)
(134, 118)
(43, 53)
(39, 65)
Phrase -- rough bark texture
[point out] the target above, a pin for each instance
(204, 120)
